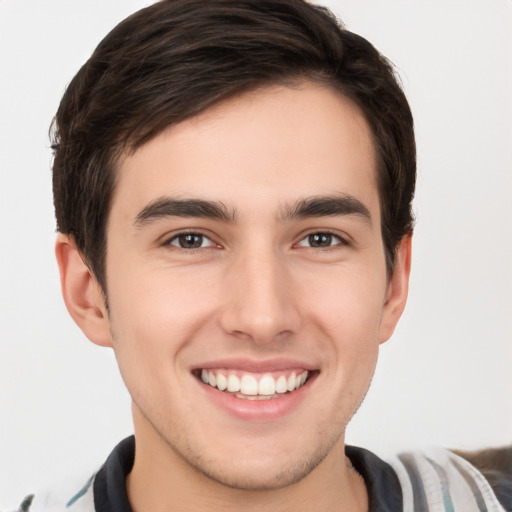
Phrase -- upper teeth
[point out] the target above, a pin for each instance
(249, 385)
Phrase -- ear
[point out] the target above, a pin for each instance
(398, 288)
(82, 294)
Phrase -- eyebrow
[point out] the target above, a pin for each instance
(316, 206)
(327, 206)
(170, 207)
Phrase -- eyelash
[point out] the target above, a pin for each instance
(175, 238)
(341, 241)
(169, 242)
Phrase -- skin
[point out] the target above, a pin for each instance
(257, 289)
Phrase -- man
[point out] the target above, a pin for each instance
(233, 186)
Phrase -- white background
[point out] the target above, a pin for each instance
(444, 378)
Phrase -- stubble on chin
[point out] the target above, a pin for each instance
(257, 474)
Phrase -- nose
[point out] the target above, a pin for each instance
(260, 303)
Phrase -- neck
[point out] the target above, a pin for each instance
(162, 480)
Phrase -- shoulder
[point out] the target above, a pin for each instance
(382, 484)
(439, 479)
(495, 464)
(106, 488)
(79, 498)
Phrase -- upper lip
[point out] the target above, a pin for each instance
(256, 365)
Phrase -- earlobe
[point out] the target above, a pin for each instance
(81, 292)
(398, 288)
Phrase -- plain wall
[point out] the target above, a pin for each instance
(444, 378)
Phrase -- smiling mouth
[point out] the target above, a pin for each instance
(249, 386)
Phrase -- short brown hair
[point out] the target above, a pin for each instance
(176, 58)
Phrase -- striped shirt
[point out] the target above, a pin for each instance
(435, 480)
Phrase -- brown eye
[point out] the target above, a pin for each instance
(190, 241)
(321, 241)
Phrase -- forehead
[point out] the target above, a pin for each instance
(266, 147)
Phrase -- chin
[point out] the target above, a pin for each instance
(260, 475)
(263, 465)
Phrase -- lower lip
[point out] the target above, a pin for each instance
(258, 410)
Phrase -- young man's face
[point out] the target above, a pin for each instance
(244, 248)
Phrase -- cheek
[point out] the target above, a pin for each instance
(347, 300)
(157, 310)
(347, 311)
